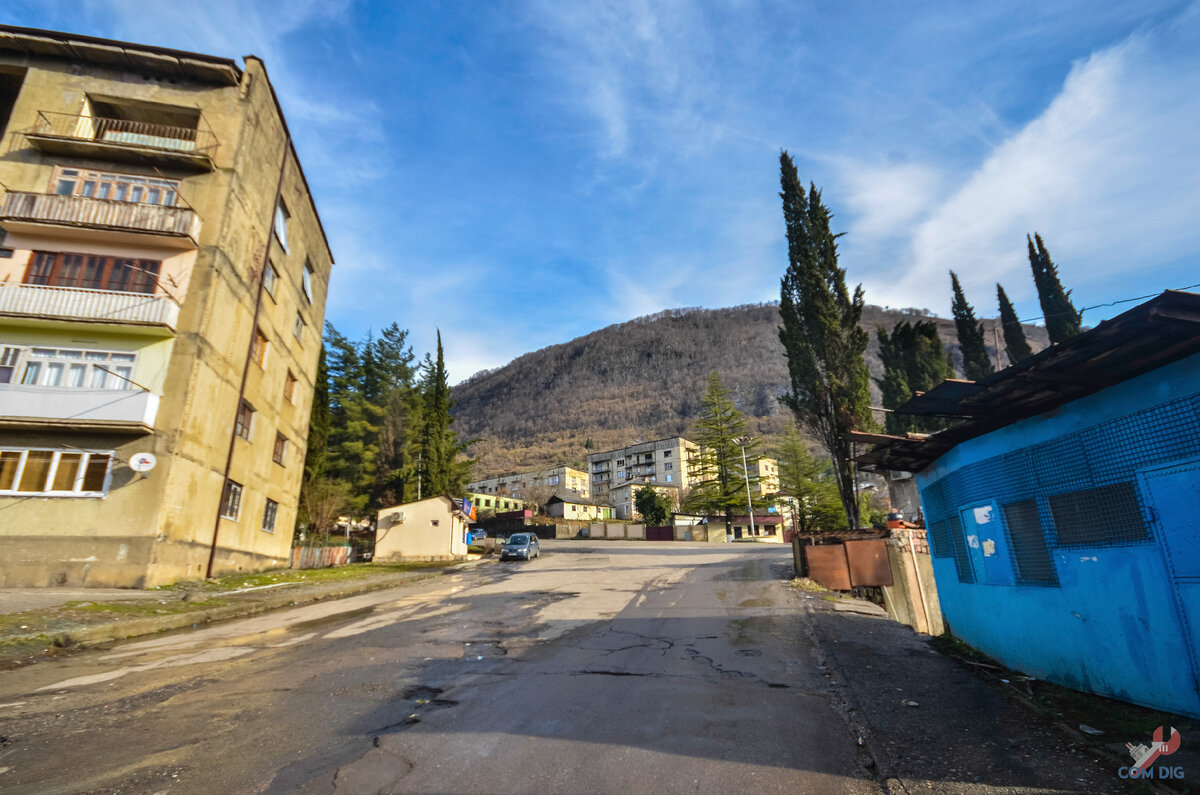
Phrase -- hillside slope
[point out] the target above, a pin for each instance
(641, 379)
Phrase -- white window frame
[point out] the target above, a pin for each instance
(281, 221)
(229, 490)
(87, 359)
(110, 183)
(76, 491)
(299, 326)
(306, 280)
(270, 279)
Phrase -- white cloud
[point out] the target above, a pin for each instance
(1107, 174)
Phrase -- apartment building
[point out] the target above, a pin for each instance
(623, 498)
(491, 504)
(663, 461)
(522, 484)
(764, 477)
(163, 274)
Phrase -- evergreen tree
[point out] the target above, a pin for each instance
(914, 360)
(1063, 321)
(353, 443)
(825, 347)
(439, 470)
(717, 473)
(809, 484)
(1015, 344)
(316, 456)
(976, 363)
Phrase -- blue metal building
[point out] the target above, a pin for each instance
(1064, 507)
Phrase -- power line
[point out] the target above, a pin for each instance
(1111, 303)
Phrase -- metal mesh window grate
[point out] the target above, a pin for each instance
(1104, 515)
(948, 535)
(1029, 550)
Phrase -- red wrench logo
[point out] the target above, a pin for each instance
(1144, 757)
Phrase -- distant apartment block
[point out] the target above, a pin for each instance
(623, 498)
(518, 486)
(663, 461)
(764, 477)
(493, 504)
(163, 274)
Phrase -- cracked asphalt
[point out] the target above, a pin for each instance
(602, 667)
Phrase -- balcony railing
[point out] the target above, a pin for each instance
(77, 303)
(140, 139)
(63, 406)
(83, 211)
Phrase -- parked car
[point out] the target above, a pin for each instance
(522, 546)
(477, 536)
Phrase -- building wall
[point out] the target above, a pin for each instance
(611, 469)
(1102, 611)
(558, 478)
(430, 530)
(153, 528)
(573, 510)
(490, 502)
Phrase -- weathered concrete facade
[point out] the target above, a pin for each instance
(431, 529)
(153, 299)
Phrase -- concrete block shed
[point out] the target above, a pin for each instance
(1063, 507)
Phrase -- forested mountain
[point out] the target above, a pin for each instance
(643, 380)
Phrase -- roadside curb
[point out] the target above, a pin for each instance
(124, 628)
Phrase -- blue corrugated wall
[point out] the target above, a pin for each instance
(1102, 614)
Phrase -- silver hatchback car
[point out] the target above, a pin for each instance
(521, 546)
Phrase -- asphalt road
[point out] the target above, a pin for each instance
(610, 667)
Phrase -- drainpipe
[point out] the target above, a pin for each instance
(262, 273)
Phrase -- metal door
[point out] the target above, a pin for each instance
(1172, 494)
(987, 545)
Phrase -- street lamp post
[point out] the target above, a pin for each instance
(741, 442)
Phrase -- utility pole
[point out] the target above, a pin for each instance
(741, 442)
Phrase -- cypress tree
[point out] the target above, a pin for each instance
(1062, 320)
(824, 344)
(440, 471)
(1015, 344)
(976, 363)
(914, 360)
(354, 426)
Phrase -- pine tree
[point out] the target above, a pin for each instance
(1015, 344)
(439, 470)
(976, 363)
(1062, 320)
(717, 473)
(825, 347)
(396, 463)
(914, 360)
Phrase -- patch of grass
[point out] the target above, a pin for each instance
(805, 584)
(141, 608)
(354, 571)
(833, 597)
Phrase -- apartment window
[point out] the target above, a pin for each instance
(281, 221)
(666, 453)
(298, 328)
(280, 449)
(8, 364)
(270, 279)
(245, 419)
(231, 500)
(272, 508)
(76, 368)
(306, 280)
(620, 462)
(116, 187)
(259, 350)
(668, 478)
(117, 274)
(668, 467)
(53, 473)
(289, 387)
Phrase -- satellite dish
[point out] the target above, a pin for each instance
(142, 462)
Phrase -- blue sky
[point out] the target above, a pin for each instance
(521, 173)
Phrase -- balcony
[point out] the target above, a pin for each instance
(123, 140)
(42, 302)
(79, 409)
(102, 219)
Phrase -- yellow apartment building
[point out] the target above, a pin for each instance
(163, 275)
(663, 461)
(549, 480)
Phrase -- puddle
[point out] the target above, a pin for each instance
(479, 649)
